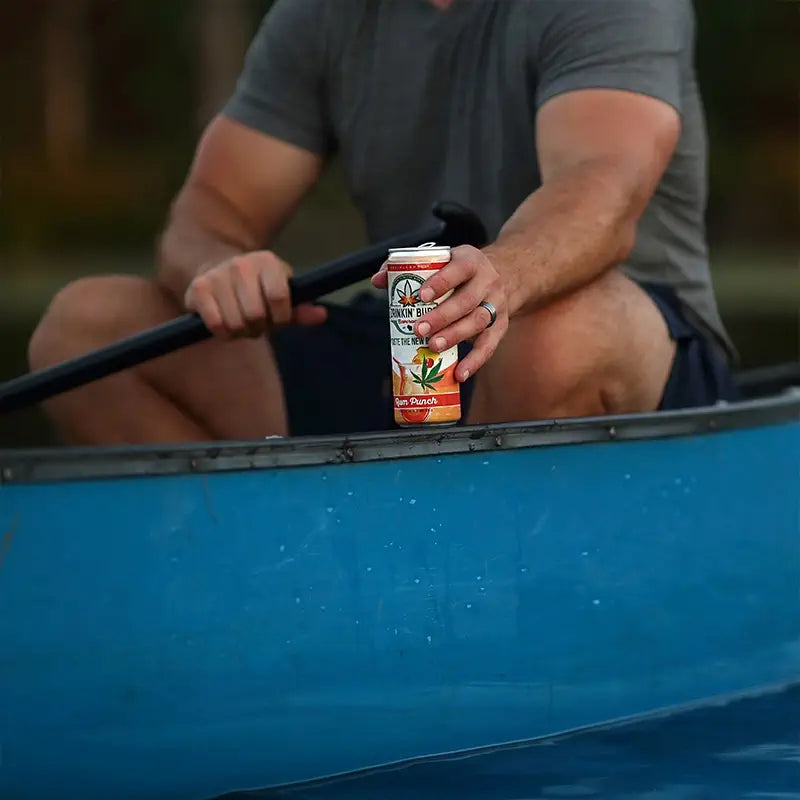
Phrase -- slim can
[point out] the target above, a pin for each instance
(424, 385)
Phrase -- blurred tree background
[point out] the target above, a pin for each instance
(103, 101)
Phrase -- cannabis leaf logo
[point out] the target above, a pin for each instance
(428, 377)
(408, 297)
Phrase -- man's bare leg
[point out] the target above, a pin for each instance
(603, 350)
(209, 391)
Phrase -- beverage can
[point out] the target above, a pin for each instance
(424, 385)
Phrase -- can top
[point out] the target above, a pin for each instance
(427, 253)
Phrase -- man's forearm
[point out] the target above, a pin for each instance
(186, 250)
(566, 234)
(204, 229)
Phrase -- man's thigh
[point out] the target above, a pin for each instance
(336, 377)
(608, 348)
(605, 348)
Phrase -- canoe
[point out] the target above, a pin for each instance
(198, 620)
(746, 747)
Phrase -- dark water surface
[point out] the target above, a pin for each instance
(747, 747)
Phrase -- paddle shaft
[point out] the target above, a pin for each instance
(455, 226)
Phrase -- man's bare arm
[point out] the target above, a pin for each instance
(242, 188)
(602, 154)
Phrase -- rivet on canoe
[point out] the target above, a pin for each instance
(472, 447)
(498, 440)
(8, 474)
(612, 432)
(193, 464)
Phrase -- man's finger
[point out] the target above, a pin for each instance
(380, 280)
(460, 304)
(200, 298)
(458, 271)
(482, 350)
(251, 300)
(461, 331)
(275, 285)
(232, 317)
(308, 314)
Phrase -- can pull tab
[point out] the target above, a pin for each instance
(428, 244)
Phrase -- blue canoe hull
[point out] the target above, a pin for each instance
(746, 747)
(201, 631)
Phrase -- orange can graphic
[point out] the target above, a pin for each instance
(425, 389)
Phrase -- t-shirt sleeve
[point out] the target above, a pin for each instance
(280, 90)
(631, 45)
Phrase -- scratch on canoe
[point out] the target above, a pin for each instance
(8, 538)
(208, 501)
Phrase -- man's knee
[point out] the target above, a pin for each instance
(91, 312)
(603, 349)
(569, 366)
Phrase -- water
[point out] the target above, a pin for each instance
(747, 748)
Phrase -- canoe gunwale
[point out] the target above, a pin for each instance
(73, 463)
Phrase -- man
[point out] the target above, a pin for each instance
(573, 127)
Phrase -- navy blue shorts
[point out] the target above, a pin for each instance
(337, 376)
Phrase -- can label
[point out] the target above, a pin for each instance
(425, 389)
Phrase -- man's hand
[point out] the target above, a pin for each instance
(247, 295)
(473, 279)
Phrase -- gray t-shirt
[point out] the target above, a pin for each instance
(422, 105)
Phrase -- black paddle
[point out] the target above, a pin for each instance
(455, 225)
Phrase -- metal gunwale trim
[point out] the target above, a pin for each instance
(69, 464)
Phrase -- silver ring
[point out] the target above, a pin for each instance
(492, 312)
